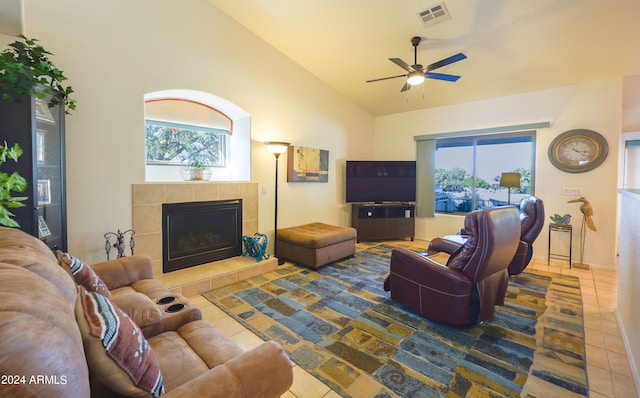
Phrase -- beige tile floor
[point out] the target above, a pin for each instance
(607, 363)
(608, 367)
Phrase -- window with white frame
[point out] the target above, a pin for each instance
(176, 143)
(468, 170)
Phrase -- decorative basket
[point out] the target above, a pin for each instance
(255, 246)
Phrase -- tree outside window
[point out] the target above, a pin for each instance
(174, 143)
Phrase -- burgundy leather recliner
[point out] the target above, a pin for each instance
(475, 278)
(531, 223)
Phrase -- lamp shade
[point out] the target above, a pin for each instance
(276, 148)
(510, 180)
(416, 77)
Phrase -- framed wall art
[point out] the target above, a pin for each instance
(307, 164)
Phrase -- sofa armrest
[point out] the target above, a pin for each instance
(124, 271)
(264, 371)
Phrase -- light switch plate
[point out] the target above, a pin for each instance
(571, 191)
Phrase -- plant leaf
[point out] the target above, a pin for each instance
(6, 218)
(15, 152)
(17, 183)
(24, 65)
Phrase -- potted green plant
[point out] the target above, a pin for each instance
(197, 170)
(8, 184)
(25, 68)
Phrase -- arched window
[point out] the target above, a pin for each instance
(185, 127)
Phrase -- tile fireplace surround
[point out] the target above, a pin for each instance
(147, 200)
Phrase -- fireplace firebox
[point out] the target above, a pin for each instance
(196, 233)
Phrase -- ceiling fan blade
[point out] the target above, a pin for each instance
(442, 76)
(385, 78)
(406, 87)
(402, 64)
(446, 61)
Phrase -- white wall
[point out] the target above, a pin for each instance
(631, 104)
(629, 162)
(116, 51)
(594, 105)
(10, 17)
(629, 277)
(631, 119)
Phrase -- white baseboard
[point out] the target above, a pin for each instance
(632, 362)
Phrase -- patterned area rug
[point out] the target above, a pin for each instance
(338, 324)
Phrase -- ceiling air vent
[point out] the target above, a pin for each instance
(434, 15)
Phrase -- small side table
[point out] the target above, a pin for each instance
(564, 229)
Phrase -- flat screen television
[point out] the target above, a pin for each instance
(380, 181)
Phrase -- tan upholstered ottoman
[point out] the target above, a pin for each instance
(316, 244)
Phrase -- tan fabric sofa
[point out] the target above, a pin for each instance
(41, 345)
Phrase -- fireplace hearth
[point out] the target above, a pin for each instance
(196, 233)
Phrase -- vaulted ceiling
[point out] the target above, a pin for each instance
(512, 46)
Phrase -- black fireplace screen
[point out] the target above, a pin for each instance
(196, 233)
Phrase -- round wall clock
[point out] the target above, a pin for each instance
(577, 151)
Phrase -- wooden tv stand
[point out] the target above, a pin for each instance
(383, 221)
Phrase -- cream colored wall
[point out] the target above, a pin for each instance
(115, 52)
(594, 105)
(631, 119)
(6, 39)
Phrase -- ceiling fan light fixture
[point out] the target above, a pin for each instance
(414, 78)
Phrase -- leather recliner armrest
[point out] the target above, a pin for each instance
(264, 371)
(124, 271)
(446, 244)
(519, 261)
(424, 271)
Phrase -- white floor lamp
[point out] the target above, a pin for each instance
(277, 148)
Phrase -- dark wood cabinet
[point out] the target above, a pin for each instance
(383, 221)
(39, 130)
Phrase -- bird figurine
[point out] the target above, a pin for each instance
(562, 220)
(586, 210)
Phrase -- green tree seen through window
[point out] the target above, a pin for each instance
(525, 180)
(467, 182)
(450, 179)
(176, 143)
